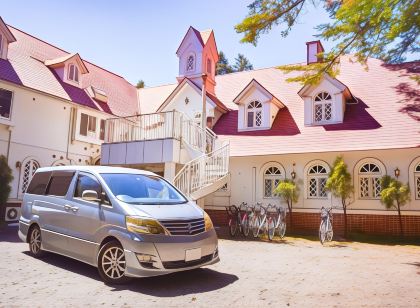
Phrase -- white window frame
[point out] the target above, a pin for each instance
(371, 177)
(323, 102)
(193, 63)
(11, 105)
(76, 70)
(318, 177)
(270, 174)
(255, 110)
(417, 181)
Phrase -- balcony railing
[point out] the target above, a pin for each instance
(170, 124)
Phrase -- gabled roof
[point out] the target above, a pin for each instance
(4, 29)
(60, 60)
(255, 84)
(184, 81)
(202, 36)
(26, 67)
(337, 83)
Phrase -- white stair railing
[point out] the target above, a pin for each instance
(203, 171)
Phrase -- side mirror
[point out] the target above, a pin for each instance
(90, 195)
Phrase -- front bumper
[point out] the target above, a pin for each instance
(167, 255)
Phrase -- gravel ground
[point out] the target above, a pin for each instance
(295, 272)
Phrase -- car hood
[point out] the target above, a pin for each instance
(187, 210)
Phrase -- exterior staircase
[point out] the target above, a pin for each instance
(204, 174)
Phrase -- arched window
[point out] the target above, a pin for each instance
(73, 73)
(28, 172)
(254, 114)
(317, 178)
(272, 177)
(370, 181)
(209, 66)
(190, 63)
(417, 181)
(322, 107)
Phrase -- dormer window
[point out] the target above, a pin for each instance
(322, 107)
(190, 63)
(73, 73)
(254, 114)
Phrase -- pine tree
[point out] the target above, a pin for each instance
(222, 66)
(140, 84)
(242, 64)
(6, 178)
(289, 192)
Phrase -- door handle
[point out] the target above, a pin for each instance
(67, 207)
(74, 209)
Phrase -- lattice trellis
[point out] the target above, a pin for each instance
(258, 119)
(418, 186)
(268, 188)
(190, 63)
(322, 191)
(28, 171)
(364, 187)
(328, 111)
(376, 185)
(318, 113)
(312, 188)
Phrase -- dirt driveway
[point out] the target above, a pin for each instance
(297, 273)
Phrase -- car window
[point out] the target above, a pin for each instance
(86, 182)
(59, 183)
(39, 183)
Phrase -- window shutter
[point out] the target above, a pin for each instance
(83, 124)
(102, 130)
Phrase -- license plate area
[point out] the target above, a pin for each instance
(192, 254)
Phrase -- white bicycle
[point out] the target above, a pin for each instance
(326, 228)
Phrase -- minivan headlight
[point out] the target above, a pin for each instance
(207, 222)
(144, 225)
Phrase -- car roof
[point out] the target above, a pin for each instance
(96, 169)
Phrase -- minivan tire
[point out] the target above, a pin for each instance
(112, 263)
(35, 242)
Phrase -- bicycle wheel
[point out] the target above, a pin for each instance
(255, 225)
(322, 232)
(329, 231)
(282, 229)
(233, 226)
(245, 225)
(271, 228)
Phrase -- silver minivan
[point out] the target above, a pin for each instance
(127, 222)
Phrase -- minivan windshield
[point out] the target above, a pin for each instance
(142, 189)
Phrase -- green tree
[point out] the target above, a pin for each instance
(6, 178)
(289, 192)
(222, 66)
(140, 84)
(386, 29)
(242, 64)
(394, 195)
(340, 185)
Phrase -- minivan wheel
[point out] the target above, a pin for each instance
(112, 263)
(35, 241)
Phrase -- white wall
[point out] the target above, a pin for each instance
(40, 130)
(242, 187)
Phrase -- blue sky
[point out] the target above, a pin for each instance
(138, 39)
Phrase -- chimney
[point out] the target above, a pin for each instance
(312, 49)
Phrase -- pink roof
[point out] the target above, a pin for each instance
(386, 117)
(25, 66)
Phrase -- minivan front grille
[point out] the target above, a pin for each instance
(184, 227)
(182, 263)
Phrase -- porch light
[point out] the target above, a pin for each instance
(293, 174)
(397, 172)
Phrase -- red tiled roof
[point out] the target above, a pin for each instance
(387, 115)
(25, 67)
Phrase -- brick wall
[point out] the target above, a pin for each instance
(308, 223)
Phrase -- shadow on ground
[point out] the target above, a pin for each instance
(9, 234)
